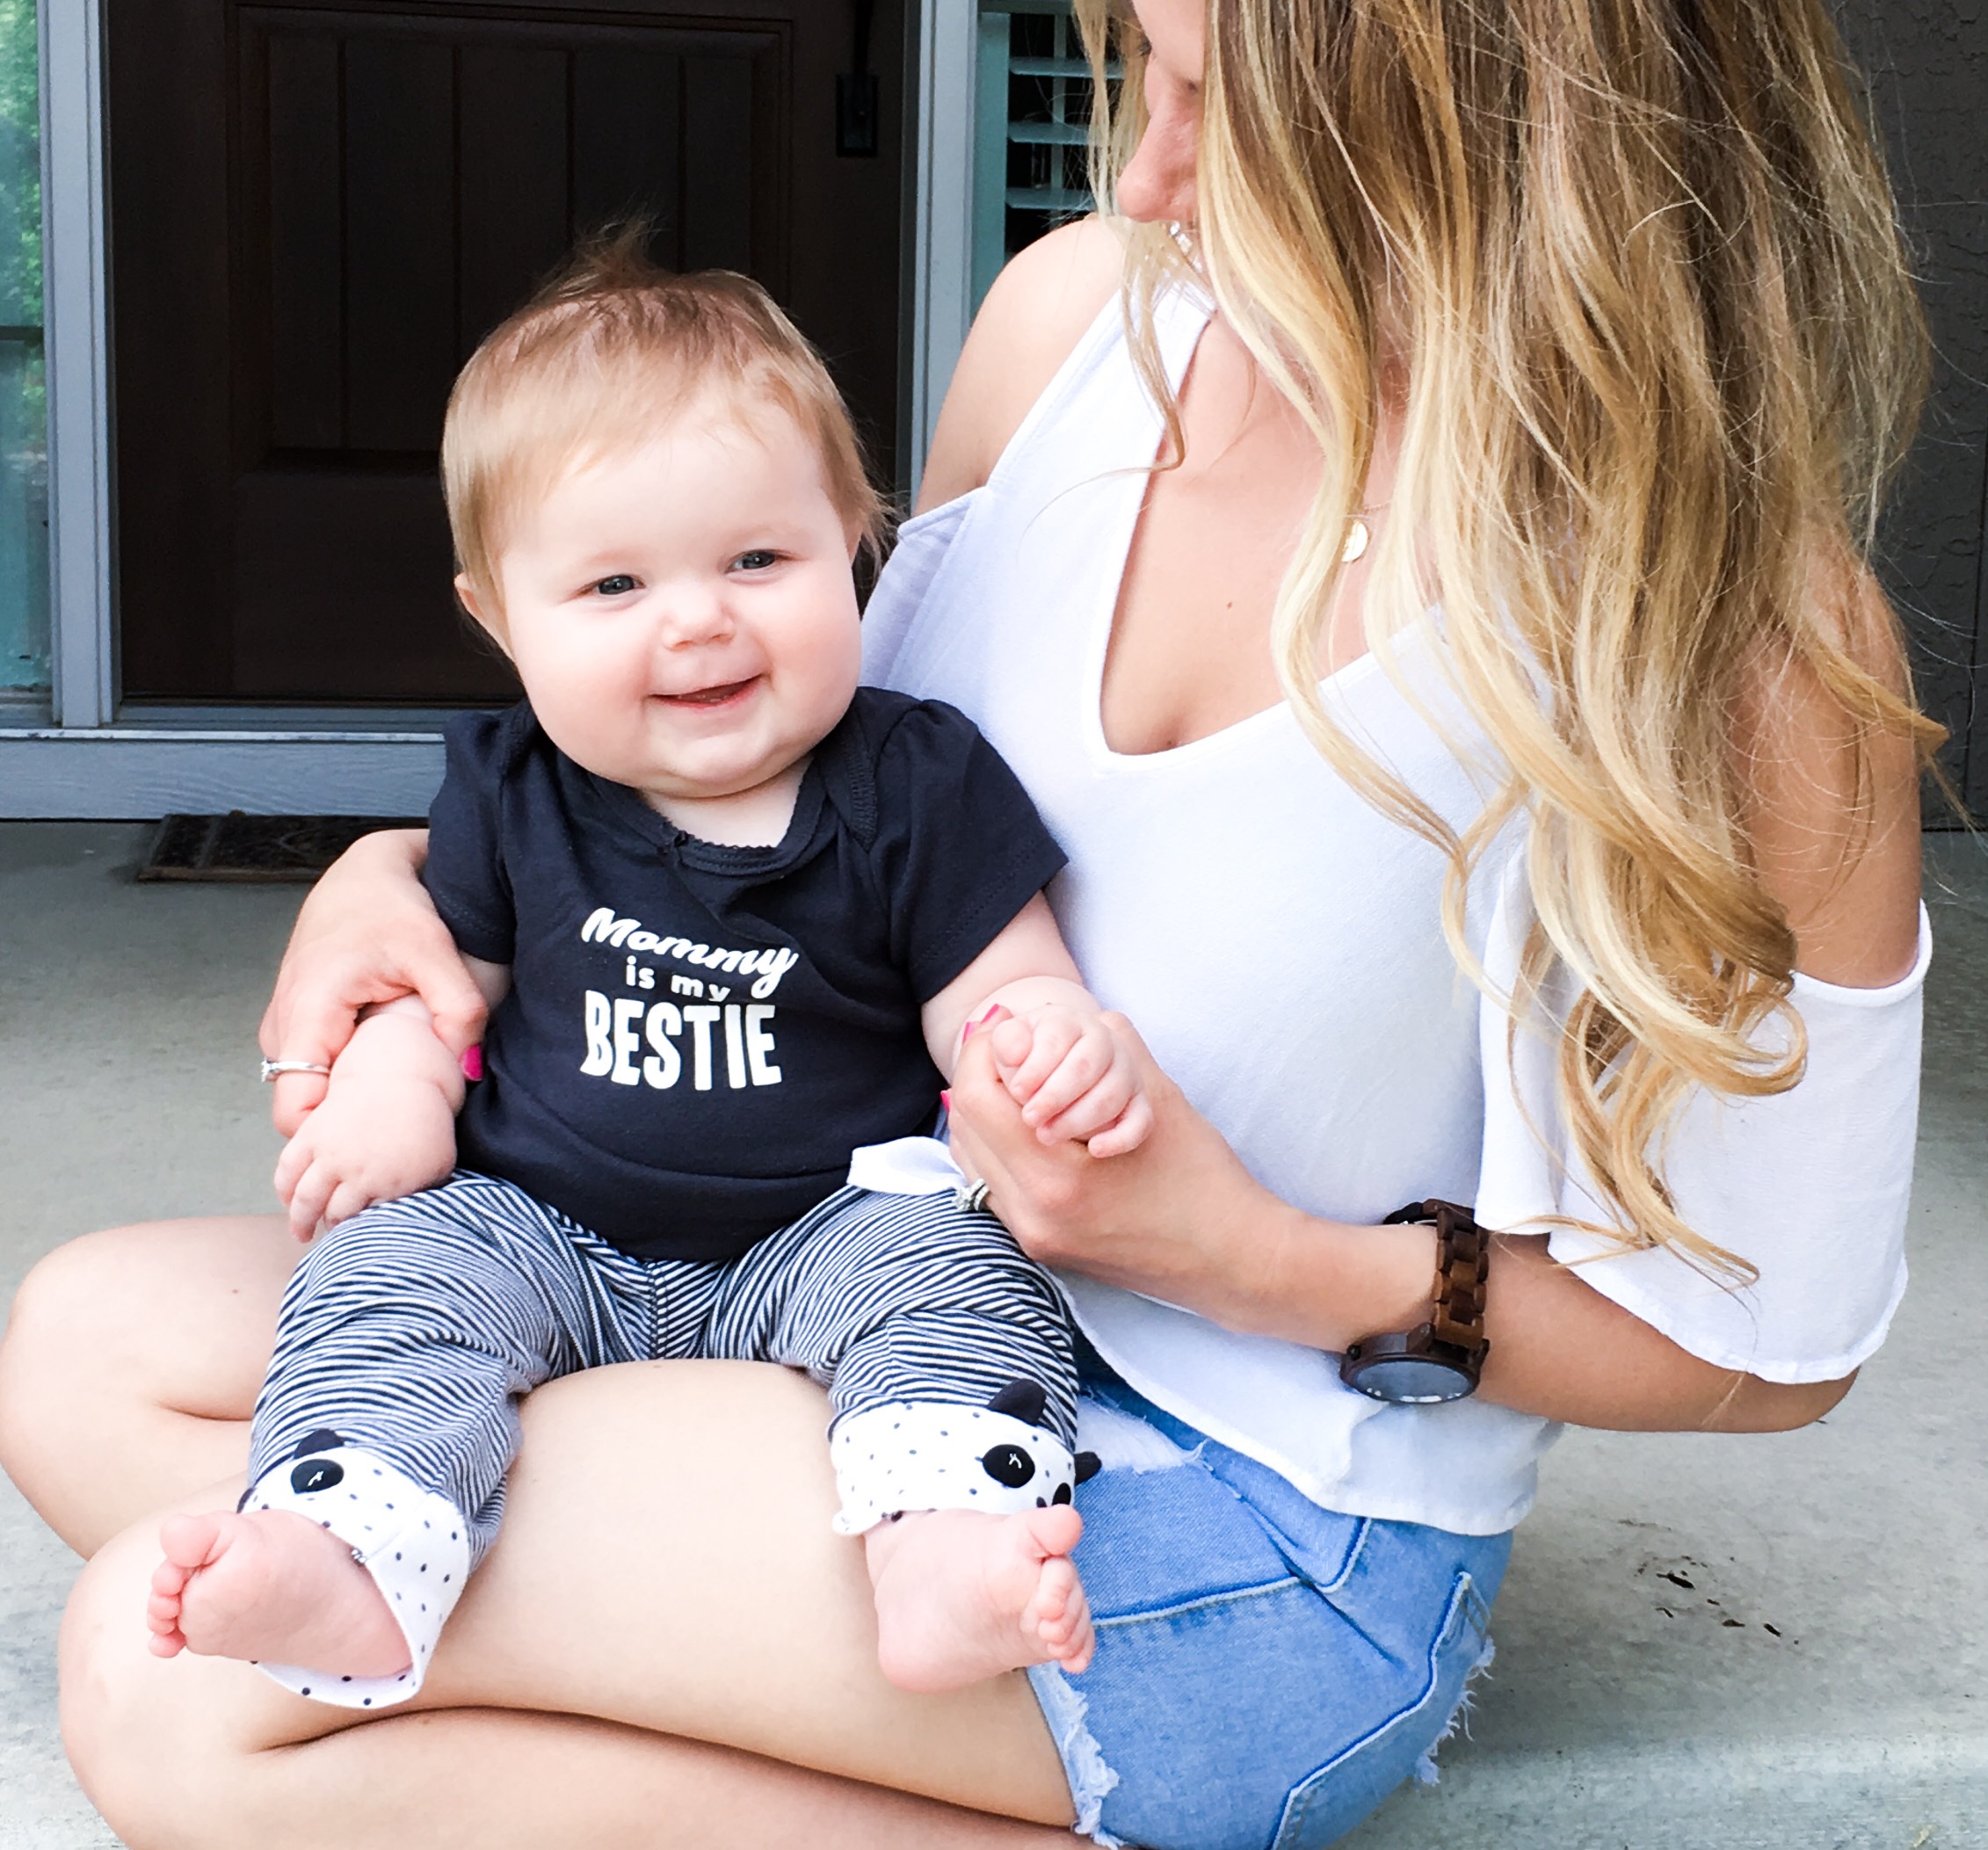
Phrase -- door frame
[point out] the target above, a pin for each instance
(84, 752)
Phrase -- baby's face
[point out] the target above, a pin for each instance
(682, 615)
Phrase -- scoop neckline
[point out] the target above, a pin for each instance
(1105, 619)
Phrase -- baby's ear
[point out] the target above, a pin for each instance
(472, 600)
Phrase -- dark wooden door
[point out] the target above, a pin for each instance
(318, 210)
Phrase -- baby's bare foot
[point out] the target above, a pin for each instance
(271, 1587)
(961, 1596)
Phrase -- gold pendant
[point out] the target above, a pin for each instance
(1357, 536)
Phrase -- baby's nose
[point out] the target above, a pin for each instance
(693, 615)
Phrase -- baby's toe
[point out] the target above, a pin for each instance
(1064, 1632)
(1058, 1605)
(1074, 1626)
(1046, 1605)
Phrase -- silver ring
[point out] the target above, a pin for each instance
(276, 1069)
(971, 1197)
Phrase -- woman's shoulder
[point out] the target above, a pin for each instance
(1038, 309)
(1831, 797)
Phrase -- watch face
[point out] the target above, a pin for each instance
(1412, 1380)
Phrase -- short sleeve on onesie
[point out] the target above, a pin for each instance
(959, 849)
(465, 873)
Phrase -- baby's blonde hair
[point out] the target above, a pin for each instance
(599, 362)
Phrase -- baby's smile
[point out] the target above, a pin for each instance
(716, 696)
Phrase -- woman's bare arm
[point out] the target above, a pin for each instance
(1182, 1220)
(1835, 833)
(367, 933)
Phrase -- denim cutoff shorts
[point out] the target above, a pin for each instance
(1266, 1670)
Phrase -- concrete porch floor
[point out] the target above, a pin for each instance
(1747, 1644)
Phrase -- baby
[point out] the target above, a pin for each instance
(735, 915)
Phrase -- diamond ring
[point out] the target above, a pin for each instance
(276, 1069)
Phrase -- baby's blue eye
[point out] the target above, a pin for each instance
(756, 560)
(616, 586)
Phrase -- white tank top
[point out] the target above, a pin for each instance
(1278, 943)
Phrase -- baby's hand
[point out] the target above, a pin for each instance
(1072, 1078)
(372, 1140)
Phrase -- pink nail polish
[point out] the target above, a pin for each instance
(472, 1063)
(945, 1098)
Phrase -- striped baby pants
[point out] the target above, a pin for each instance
(409, 1335)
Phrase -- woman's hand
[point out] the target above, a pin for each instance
(367, 933)
(1177, 1218)
(1180, 1219)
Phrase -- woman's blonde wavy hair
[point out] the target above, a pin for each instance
(1638, 262)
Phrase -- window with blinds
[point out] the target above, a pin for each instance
(1031, 119)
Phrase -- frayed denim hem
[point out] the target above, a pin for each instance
(1063, 1709)
(1426, 1773)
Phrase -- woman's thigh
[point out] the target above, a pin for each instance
(667, 1564)
(130, 1367)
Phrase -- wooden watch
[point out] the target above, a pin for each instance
(1442, 1359)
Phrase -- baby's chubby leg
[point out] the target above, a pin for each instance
(948, 1356)
(382, 1434)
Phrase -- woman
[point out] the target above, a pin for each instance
(1591, 319)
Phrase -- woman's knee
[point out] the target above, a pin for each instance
(118, 1761)
(60, 1329)
(128, 1357)
(155, 1752)
(134, 1298)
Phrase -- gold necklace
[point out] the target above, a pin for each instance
(1358, 533)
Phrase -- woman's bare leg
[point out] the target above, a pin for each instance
(130, 1367)
(666, 1565)
(465, 1780)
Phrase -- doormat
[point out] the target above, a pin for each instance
(257, 848)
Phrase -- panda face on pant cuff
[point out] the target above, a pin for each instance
(909, 1455)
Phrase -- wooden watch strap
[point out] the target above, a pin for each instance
(1462, 1270)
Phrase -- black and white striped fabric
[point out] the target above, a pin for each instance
(410, 1332)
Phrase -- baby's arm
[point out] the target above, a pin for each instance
(1055, 1049)
(387, 1124)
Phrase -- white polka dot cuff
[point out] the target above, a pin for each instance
(920, 1455)
(414, 1543)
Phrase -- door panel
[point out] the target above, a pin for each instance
(295, 297)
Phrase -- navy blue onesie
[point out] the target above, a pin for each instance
(697, 1037)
